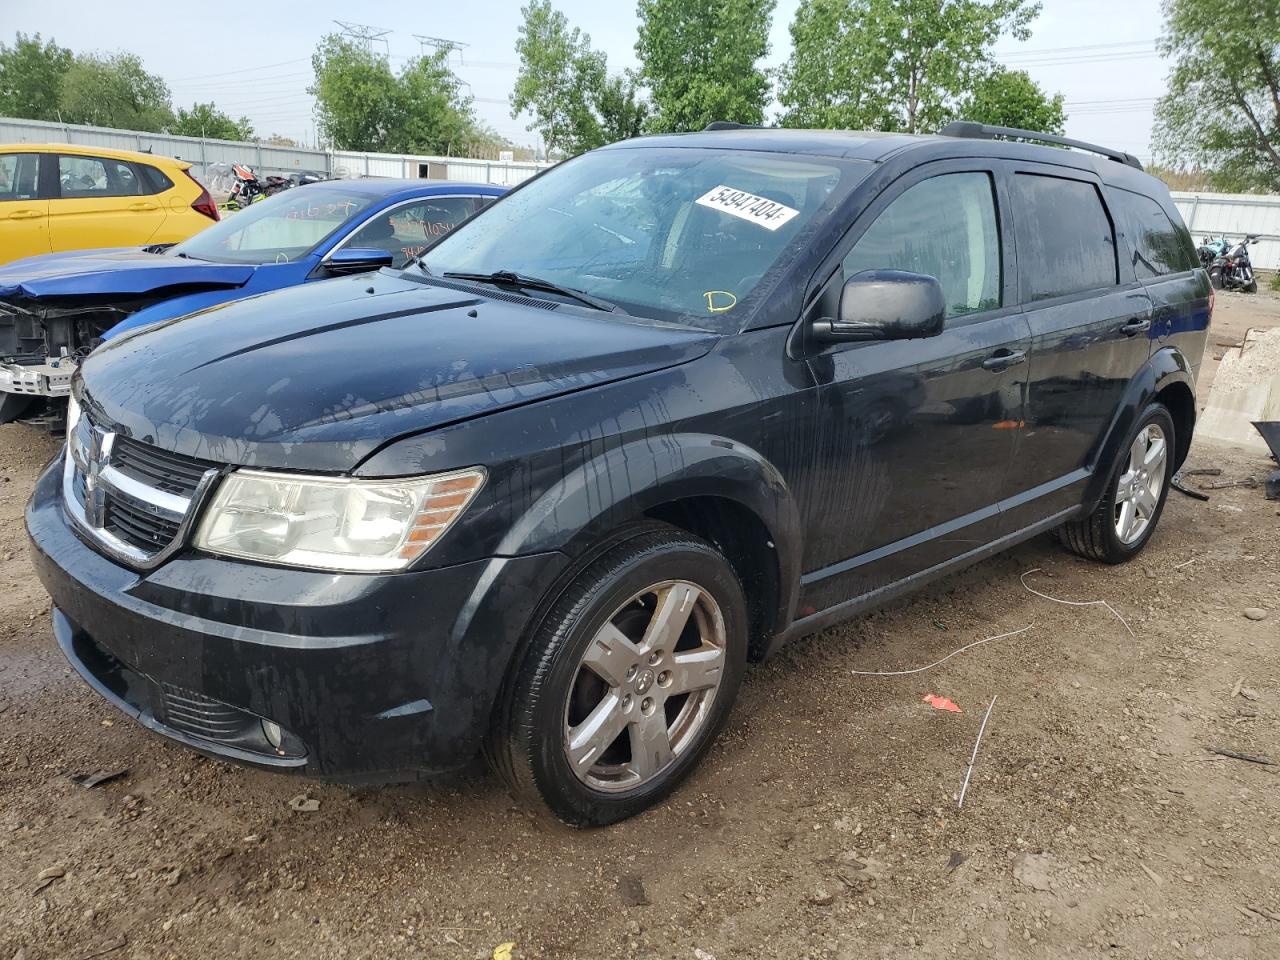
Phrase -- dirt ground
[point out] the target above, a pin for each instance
(823, 825)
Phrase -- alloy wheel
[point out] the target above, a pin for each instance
(1139, 486)
(644, 687)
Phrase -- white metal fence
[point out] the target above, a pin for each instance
(265, 158)
(1235, 215)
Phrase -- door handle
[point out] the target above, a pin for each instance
(1004, 359)
(143, 206)
(1135, 326)
(24, 215)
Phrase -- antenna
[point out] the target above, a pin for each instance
(441, 43)
(366, 34)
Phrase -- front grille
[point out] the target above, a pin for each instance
(158, 468)
(203, 716)
(137, 527)
(130, 498)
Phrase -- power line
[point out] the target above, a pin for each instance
(227, 73)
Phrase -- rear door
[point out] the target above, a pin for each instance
(24, 210)
(915, 436)
(1091, 329)
(101, 202)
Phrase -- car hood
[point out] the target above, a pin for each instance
(128, 272)
(317, 377)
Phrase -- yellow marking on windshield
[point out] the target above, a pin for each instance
(721, 307)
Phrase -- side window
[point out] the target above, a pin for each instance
(153, 180)
(19, 176)
(944, 227)
(97, 177)
(1157, 246)
(408, 230)
(1065, 240)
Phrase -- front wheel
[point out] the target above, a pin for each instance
(1127, 516)
(626, 682)
(1215, 278)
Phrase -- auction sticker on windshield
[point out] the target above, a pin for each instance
(747, 206)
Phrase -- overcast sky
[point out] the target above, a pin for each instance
(1099, 53)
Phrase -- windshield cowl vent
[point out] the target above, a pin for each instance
(490, 294)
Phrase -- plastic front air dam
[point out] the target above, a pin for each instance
(380, 677)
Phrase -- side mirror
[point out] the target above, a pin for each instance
(358, 260)
(886, 305)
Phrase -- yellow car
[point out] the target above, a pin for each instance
(57, 196)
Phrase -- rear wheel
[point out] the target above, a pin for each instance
(1215, 277)
(13, 405)
(626, 682)
(1127, 516)
(1251, 287)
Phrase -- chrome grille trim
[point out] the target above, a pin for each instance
(90, 483)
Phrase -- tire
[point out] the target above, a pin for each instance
(1251, 287)
(1098, 536)
(556, 698)
(13, 405)
(1215, 279)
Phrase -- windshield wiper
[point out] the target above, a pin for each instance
(509, 278)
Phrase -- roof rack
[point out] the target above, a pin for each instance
(982, 131)
(730, 125)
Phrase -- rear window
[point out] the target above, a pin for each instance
(1157, 246)
(97, 177)
(1065, 241)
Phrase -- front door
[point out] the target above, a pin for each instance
(915, 436)
(24, 213)
(1091, 332)
(101, 202)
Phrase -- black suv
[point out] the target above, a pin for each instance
(548, 489)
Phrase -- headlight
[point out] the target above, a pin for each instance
(334, 523)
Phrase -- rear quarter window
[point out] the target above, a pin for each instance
(1066, 243)
(153, 180)
(1157, 245)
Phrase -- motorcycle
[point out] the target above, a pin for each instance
(1233, 270)
(1210, 249)
(246, 187)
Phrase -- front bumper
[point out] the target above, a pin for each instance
(371, 677)
(52, 378)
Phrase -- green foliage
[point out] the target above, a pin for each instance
(114, 91)
(1010, 98)
(700, 60)
(898, 65)
(206, 120)
(362, 105)
(31, 75)
(565, 84)
(1222, 109)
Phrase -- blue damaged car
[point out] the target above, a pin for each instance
(56, 308)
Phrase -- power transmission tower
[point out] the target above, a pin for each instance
(366, 34)
(441, 43)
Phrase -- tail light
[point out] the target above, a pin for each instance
(203, 203)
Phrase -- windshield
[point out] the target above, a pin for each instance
(676, 234)
(278, 229)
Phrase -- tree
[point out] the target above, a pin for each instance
(31, 75)
(898, 65)
(362, 105)
(1222, 109)
(206, 120)
(114, 91)
(565, 84)
(1010, 98)
(700, 60)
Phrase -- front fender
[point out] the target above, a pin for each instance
(1166, 367)
(625, 482)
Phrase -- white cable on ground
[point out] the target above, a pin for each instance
(976, 643)
(974, 758)
(1077, 603)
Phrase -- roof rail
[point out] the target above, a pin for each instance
(982, 131)
(730, 125)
